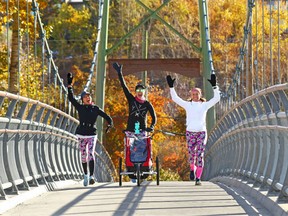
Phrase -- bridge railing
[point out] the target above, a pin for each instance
(250, 142)
(38, 146)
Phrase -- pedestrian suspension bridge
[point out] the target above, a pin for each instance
(246, 166)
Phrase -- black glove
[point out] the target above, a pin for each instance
(213, 80)
(170, 81)
(108, 128)
(117, 67)
(150, 129)
(69, 78)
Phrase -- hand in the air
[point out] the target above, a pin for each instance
(170, 81)
(212, 80)
(69, 78)
(117, 67)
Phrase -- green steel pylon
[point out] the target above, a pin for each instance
(206, 61)
(103, 52)
(101, 66)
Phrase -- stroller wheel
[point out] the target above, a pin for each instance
(138, 174)
(120, 170)
(157, 170)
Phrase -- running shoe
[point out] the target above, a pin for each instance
(192, 175)
(198, 182)
(85, 182)
(91, 180)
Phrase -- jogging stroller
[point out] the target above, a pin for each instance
(138, 159)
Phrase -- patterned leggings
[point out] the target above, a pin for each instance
(196, 145)
(87, 148)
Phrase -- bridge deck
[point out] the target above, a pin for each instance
(169, 198)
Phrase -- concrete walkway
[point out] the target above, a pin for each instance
(169, 198)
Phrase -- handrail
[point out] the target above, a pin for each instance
(38, 146)
(248, 145)
(96, 49)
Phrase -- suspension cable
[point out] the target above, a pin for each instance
(43, 35)
(263, 48)
(51, 63)
(95, 57)
(278, 45)
(8, 50)
(256, 57)
(55, 68)
(34, 9)
(243, 51)
(270, 43)
(28, 50)
(245, 74)
(18, 44)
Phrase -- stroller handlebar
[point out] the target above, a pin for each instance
(138, 137)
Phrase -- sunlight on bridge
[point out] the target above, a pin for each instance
(247, 147)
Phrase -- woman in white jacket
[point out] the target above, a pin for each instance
(196, 133)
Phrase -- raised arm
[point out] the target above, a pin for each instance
(176, 98)
(70, 91)
(173, 93)
(118, 68)
(216, 97)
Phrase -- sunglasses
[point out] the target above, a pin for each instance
(140, 90)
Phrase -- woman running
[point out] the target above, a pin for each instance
(196, 133)
(86, 130)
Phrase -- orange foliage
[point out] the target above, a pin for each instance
(174, 156)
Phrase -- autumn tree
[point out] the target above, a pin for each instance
(72, 38)
(19, 19)
(227, 22)
(72, 33)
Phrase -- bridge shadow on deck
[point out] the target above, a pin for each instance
(149, 199)
(169, 198)
(78, 199)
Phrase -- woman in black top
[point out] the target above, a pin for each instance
(138, 107)
(86, 130)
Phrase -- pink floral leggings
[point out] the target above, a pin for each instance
(196, 146)
(87, 148)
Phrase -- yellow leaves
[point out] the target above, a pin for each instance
(72, 31)
(227, 20)
(224, 14)
(71, 19)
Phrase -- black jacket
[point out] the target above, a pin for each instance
(137, 111)
(87, 116)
